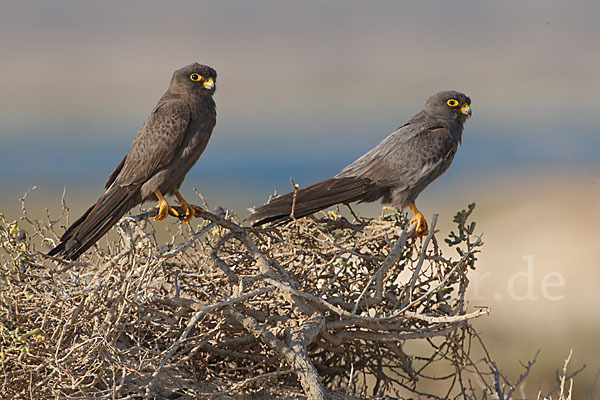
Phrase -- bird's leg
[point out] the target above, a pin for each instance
(188, 211)
(421, 228)
(163, 207)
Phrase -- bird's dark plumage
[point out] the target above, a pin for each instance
(165, 148)
(396, 170)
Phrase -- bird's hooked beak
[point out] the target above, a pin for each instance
(465, 109)
(209, 84)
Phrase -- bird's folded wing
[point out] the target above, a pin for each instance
(155, 144)
(410, 152)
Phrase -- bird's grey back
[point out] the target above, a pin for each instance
(409, 159)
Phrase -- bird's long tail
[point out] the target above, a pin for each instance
(315, 198)
(96, 221)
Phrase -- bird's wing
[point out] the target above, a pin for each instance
(155, 144)
(412, 151)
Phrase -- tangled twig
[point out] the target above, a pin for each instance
(222, 309)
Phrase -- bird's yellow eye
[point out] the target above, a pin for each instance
(195, 77)
(452, 102)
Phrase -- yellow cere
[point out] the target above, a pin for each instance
(465, 109)
(209, 83)
(452, 102)
(195, 77)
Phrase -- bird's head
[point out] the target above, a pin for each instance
(450, 104)
(194, 78)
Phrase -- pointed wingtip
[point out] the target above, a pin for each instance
(61, 252)
(56, 251)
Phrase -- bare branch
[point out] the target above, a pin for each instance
(313, 307)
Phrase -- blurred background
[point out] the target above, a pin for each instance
(305, 88)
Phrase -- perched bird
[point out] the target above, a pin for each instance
(396, 170)
(167, 145)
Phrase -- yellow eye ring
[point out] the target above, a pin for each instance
(452, 102)
(195, 77)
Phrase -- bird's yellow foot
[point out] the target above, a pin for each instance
(421, 229)
(163, 207)
(188, 210)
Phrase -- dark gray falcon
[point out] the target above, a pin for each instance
(396, 170)
(167, 145)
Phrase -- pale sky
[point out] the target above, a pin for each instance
(316, 81)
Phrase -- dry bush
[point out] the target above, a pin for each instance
(316, 308)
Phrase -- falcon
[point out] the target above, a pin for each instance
(167, 145)
(396, 171)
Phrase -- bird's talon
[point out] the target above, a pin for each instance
(188, 212)
(163, 207)
(163, 211)
(421, 229)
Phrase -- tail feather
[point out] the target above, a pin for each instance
(317, 197)
(95, 222)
